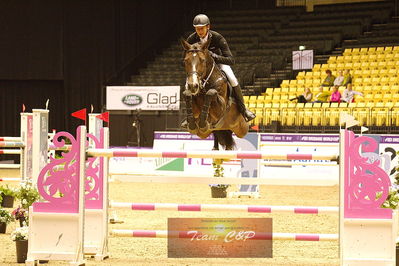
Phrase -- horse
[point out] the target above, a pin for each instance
(210, 109)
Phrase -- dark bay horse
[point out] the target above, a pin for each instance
(209, 109)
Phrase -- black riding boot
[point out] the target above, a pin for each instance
(247, 114)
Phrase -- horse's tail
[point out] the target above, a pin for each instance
(225, 138)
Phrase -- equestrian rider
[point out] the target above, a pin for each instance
(220, 51)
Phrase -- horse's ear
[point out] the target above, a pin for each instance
(185, 44)
(205, 45)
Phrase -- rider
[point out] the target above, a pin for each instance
(220, 51)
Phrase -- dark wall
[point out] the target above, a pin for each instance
(67, 51)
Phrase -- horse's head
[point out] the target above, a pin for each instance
(196, 57)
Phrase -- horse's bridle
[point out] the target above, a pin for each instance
(195, 72)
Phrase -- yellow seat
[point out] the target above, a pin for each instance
(372, 50)
(357, 65)
(252, 98)
(393, 81)
(301, 75)
(383, 72)
(355, 51)
(332, 59)
(348, 65)
(277, 91)
(339, 59)
(389, 57)
(388, 49)
(332, 66)
(341, 66)
(355, 58)
(316, 66)
(347, 51)
(284, 98)
(363, 50)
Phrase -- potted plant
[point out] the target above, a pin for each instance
(7, 194)
(5, 218)
(27, 194)
(21, 215)
(218, 190)
(20, 236)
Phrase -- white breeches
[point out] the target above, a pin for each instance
(230, 74)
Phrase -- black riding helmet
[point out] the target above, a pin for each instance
(201, 20)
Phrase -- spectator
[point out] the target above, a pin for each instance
(347, 78)
(308, 95)
(340, 79)
(305, 97)
(322, 96)
(329, 80)
(349, 95)
(336, 95)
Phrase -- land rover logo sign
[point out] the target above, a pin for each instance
(132, 100)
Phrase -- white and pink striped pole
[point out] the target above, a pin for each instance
(257, 236)
(206, 154)
(12, 144)
(223, 207)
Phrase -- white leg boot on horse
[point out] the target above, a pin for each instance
(247, 114)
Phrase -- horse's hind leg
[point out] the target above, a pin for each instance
(189, 109)
(210, 95)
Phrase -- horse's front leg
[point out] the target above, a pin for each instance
(209, 97)
(189, 109)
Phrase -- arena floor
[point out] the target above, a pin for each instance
(141, 251)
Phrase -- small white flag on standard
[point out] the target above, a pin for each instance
(349, 120)
(364, 129)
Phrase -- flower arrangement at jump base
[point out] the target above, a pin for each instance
(20, 236)
(5, 218)
(7, 196)
(21, 215)
(218, 190)
(28, 194)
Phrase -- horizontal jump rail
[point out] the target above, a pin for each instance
(202, 180)
(7, 179)
(206, 154)
(10, 139)
(258, 236)
(11, 144)
(9, 166)
(223, 207)
(10, 151)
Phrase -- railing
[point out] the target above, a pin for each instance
(327, 116)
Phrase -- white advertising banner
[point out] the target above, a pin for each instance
(143, 97)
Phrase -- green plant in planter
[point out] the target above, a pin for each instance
(218, 172)
(27, 194)
(7, 191)
(5, 216)
(20, 234)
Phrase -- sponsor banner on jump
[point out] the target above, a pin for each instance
(143, 97)
(220, 238)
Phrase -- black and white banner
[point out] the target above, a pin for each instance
(143, 97)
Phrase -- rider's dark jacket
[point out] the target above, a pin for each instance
(218, 46)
